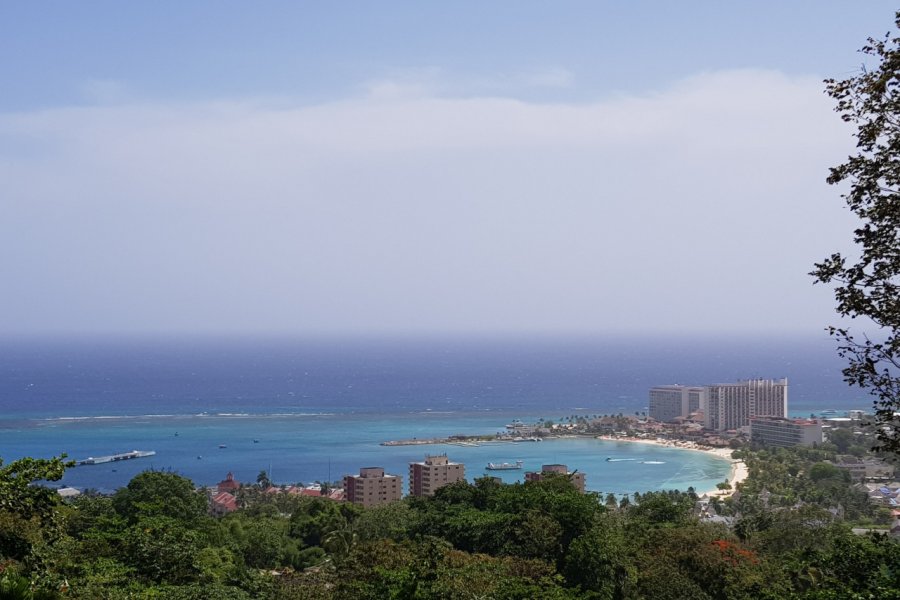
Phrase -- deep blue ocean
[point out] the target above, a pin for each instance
(316, 409)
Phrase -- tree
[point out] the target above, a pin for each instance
(30, 520)
(869, 286)
(158, 493)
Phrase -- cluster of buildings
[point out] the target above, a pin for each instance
(757, 407)
(373, 487)
(223, 498)
(721, 406)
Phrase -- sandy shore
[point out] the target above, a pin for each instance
(738, 473)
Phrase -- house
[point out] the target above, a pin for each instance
(222, 503)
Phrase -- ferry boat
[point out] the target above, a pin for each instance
(516, 424)
(504, 466)
(99, 460)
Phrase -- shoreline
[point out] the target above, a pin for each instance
(738, 474)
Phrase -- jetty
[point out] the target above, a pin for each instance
(99, 460)
(456, 440)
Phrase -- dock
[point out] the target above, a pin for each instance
(99, 460)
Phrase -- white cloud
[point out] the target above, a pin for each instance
(698, 207)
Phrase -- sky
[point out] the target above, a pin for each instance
(422, 168)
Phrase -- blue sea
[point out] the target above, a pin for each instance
(309, 410)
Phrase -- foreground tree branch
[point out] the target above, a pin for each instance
(868, 287)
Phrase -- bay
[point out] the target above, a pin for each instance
(320, 408)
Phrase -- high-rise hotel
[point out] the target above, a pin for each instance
(668, 402)
(732, 405)
(724, 405)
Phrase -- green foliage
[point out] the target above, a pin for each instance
(664, 508)
(160, 494)
(820, 471)
(869, 287)
(14, 587)
(600, 560)
(162, 550)
(483, 540)
(18, 496)
(30, 520)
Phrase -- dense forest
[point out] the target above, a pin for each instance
(786, 534)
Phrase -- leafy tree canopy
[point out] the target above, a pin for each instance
(868, 286)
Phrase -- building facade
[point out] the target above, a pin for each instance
(372, 487)
(734, 405)
(434, 472)
(575, 477)
(668, 402)
(775, 431)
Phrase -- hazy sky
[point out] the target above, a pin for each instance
(416, 167)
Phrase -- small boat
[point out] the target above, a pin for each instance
(255, 441)
(610, 459)
(222, 446)
(504, 466)
(653, 462)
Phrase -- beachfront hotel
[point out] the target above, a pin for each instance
(669, 402)
(733, 405)
(725, 406)
(372, 487)
(575, 477)
(435, 472)
(775, 431)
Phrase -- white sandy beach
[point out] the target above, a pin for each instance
(739, 470)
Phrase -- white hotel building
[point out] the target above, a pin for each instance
(725, 406)
(733, 405)
(668, 402)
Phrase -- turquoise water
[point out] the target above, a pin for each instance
(320, 408)
(326, 447)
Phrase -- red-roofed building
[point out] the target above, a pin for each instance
(222, 504)
(228, 484)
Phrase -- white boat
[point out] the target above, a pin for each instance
(504, 466)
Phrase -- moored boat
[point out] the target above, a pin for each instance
(504, 466)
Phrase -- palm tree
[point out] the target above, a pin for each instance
(13, 587)
(340, 541)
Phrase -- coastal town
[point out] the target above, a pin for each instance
(678, 418)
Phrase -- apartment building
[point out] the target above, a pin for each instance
(372, 487)
(434, 472)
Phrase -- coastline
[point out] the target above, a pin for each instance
(739, 471)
